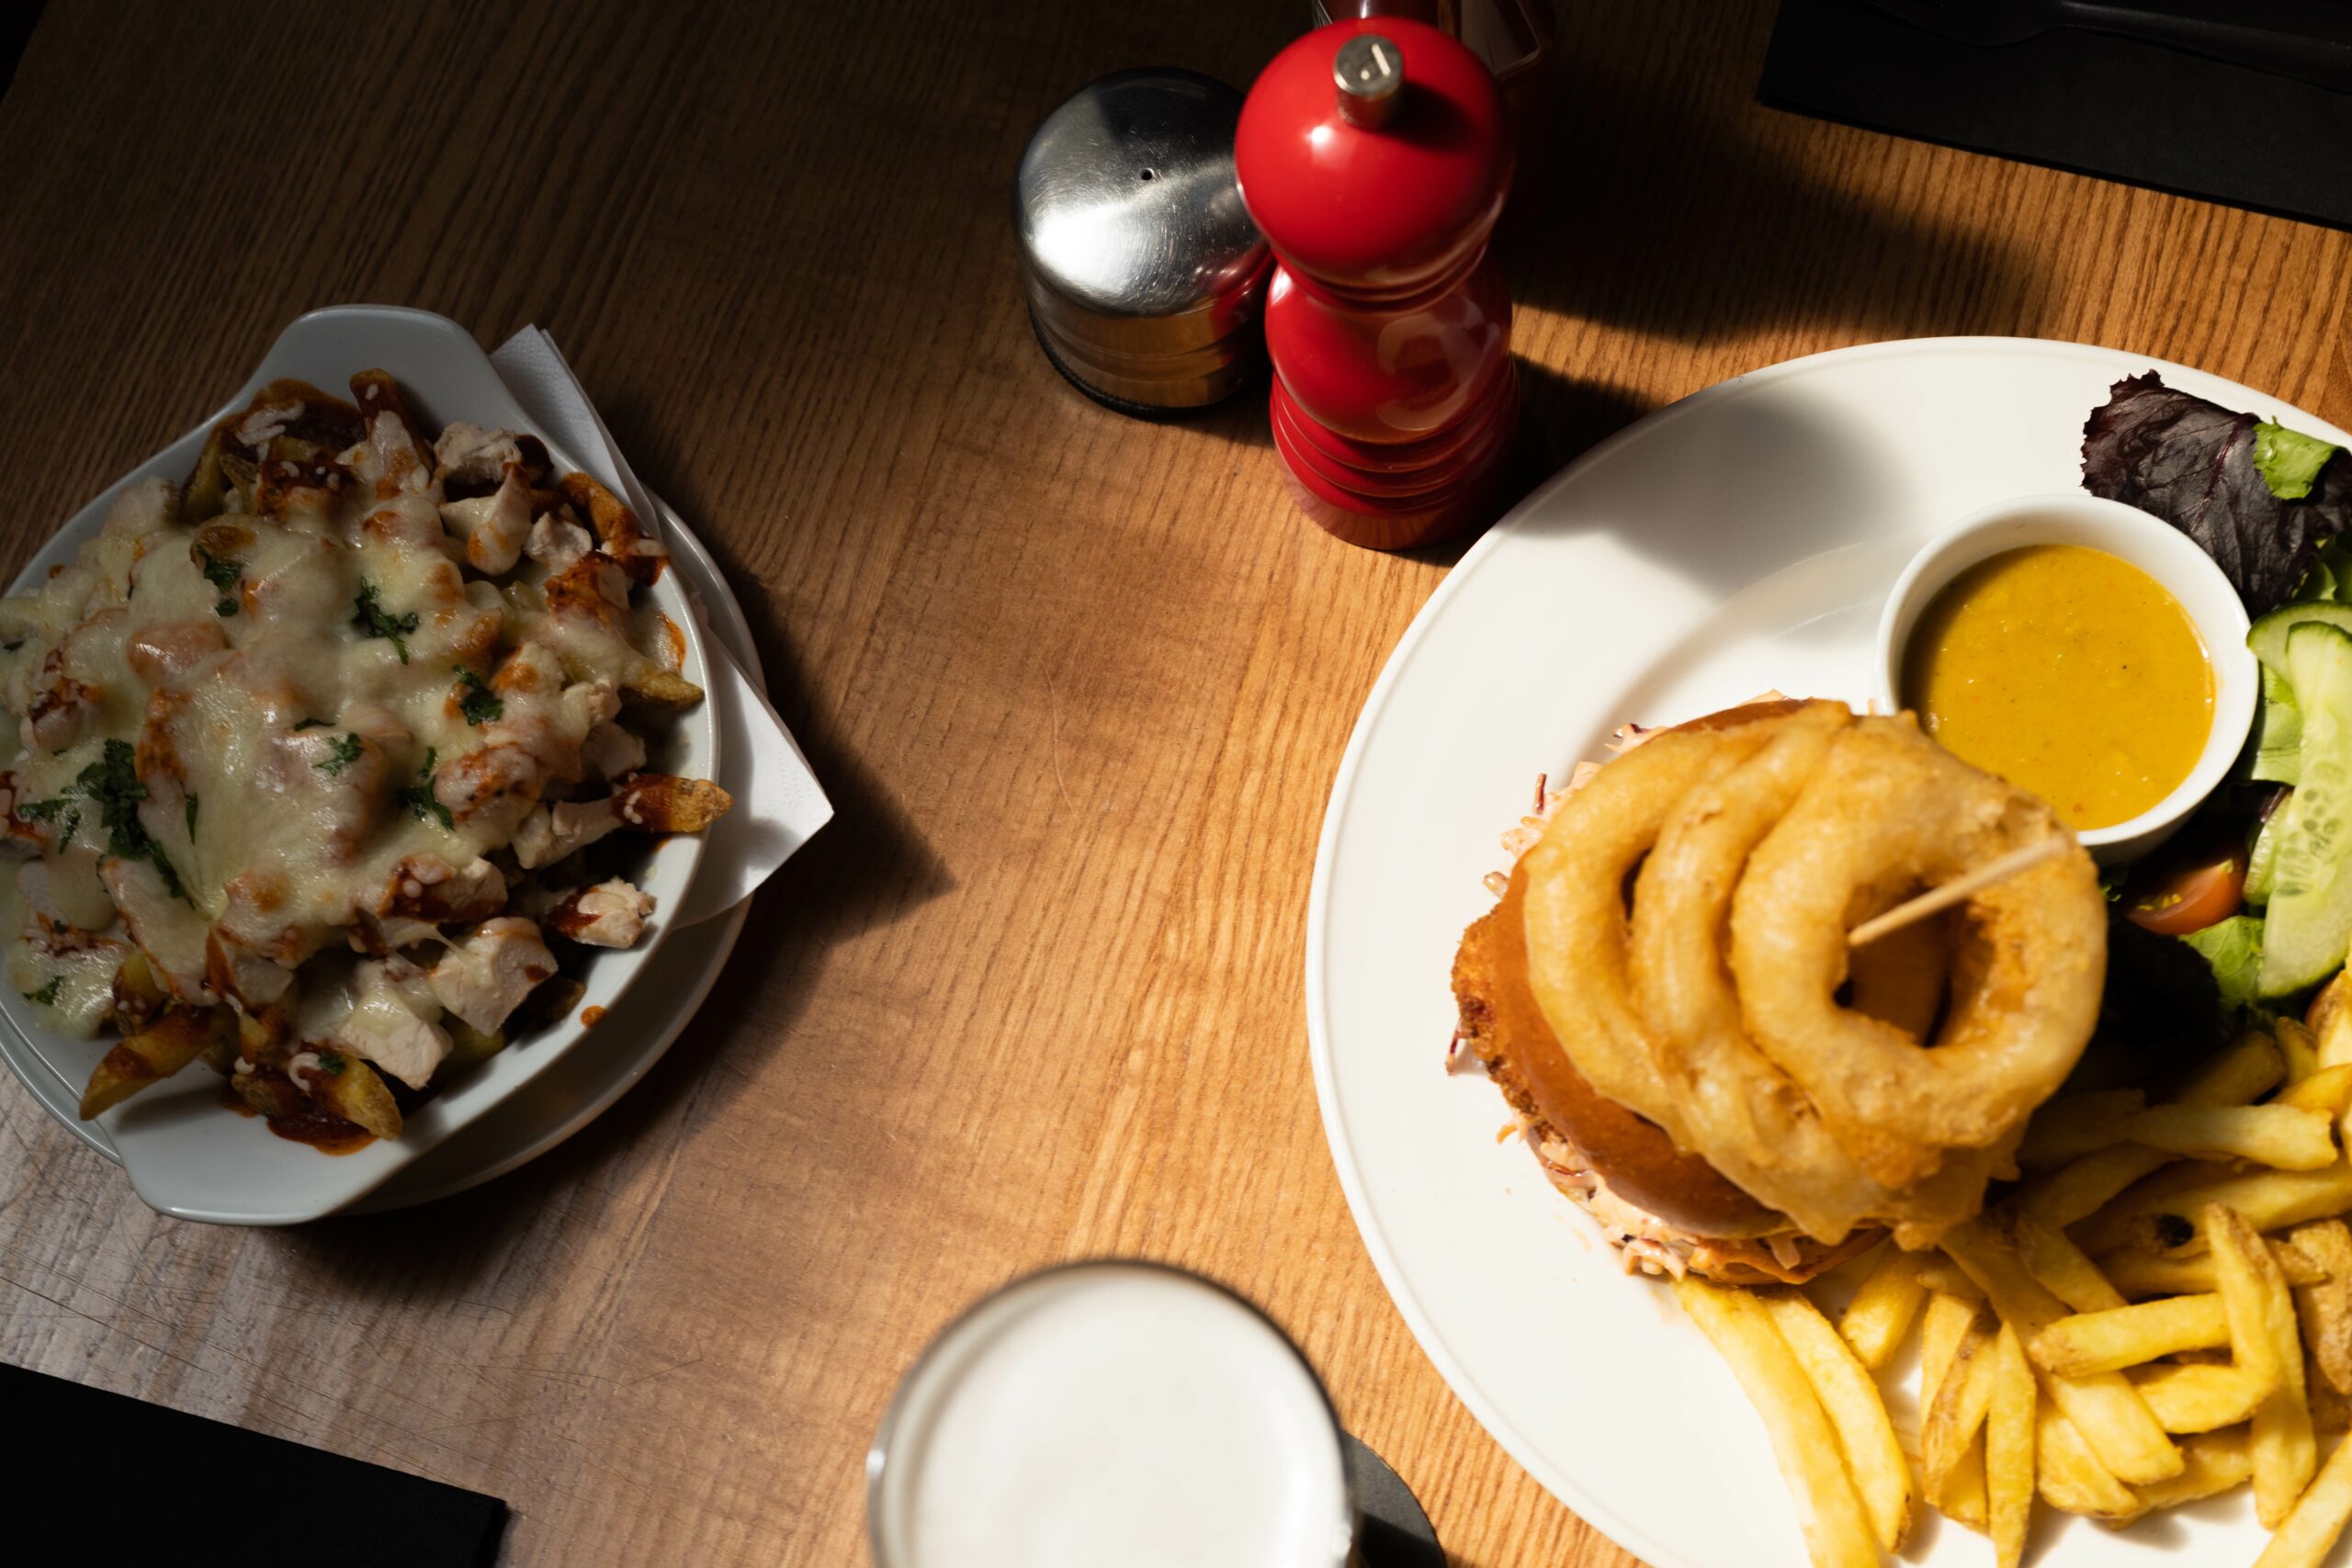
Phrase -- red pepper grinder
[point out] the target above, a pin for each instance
(1375, 154)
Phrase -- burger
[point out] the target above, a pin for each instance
(1665, 1204)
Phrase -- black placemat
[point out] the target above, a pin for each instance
(133, 1483)
(2100, 106)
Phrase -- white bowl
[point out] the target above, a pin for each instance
(186, 1156)
(2156, 547)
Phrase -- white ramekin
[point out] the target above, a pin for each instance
(2072, 517)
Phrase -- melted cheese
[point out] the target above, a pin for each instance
(291, 691)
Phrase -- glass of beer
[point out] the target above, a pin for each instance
(1111, 1413)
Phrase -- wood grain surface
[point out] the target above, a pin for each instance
(1077, 685)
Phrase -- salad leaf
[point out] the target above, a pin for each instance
(2234, 948)
(2160, 1011)
(2192, 462)
(2277, 754)
(2287, 460)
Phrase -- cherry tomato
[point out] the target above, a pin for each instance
(2192, 894)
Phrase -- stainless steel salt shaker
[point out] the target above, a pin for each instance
(1144, 271)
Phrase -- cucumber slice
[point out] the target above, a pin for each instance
(2262, 861)
(2277, 754)
(2310, 914)
(2267, 636)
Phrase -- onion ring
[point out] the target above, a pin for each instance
(1744, 1114)
(1575, 910)
(1888, 813)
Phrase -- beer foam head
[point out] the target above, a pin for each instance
(1111, 1414)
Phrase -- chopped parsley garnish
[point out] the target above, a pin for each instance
(330, 1064)
(345, 749)
(112, 782)
(477, 701)
(222, 573)
(369, 615)
(191, 819)
(219, 571)
(418, 796)
(11, 648)
(47, 995)
(57, 809)
(313, 724)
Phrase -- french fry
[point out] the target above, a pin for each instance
(2130, 1335)
(156, 1053)
(659, 690)
(354, 1091)
(2308, 1534)
(138, 998)
(2262, 1339)
(2073, 1126)
(2330, 1019)
(1836, 1529)
(664, 802)
(2216, 1463)
(2069, 1477)
(1875, 1322)
(2193, 1397)
(1950, 1424)
(1941, 1333)
(2008, 1449)
(2138, 1273)
(2270, 1199)
(2103, 1406)
(1964, 1501)
(2066, 1269)
(468, 1046)
(2239, 1073)
(2324, 1307)
(1946, 1278)
(2326, 1089)
(2330, 1412)
(2299, 1047)
(1874, 1458)
(2284, 1137)
(2073, 1193)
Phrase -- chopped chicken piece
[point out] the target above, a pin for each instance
(426, 887)
(556, 544)
(611, 914)
(488, 978)
(169, 932)
(50, 910)
(552, 832)
(164, 649)
(474, 453)
(610, 751)
(390, 1022)
(63, 710)
(493, 527)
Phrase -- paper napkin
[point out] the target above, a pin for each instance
(778, 802)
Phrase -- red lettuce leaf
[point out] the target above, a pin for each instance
(2192, 463)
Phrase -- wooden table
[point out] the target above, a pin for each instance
(1077, 685)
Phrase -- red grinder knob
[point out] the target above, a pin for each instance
(1376, 157)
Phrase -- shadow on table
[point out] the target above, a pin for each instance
(1560, 418)
(1659, 216)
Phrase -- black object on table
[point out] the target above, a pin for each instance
(139, 1482)
(2117, 107)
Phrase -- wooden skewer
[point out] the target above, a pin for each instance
(1936, 900)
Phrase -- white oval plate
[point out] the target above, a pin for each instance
(185, 1155)
(1739, 540)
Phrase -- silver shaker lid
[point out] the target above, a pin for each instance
(1143, 270)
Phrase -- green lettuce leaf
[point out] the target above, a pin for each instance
(2287, 460)
(2233, 947)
